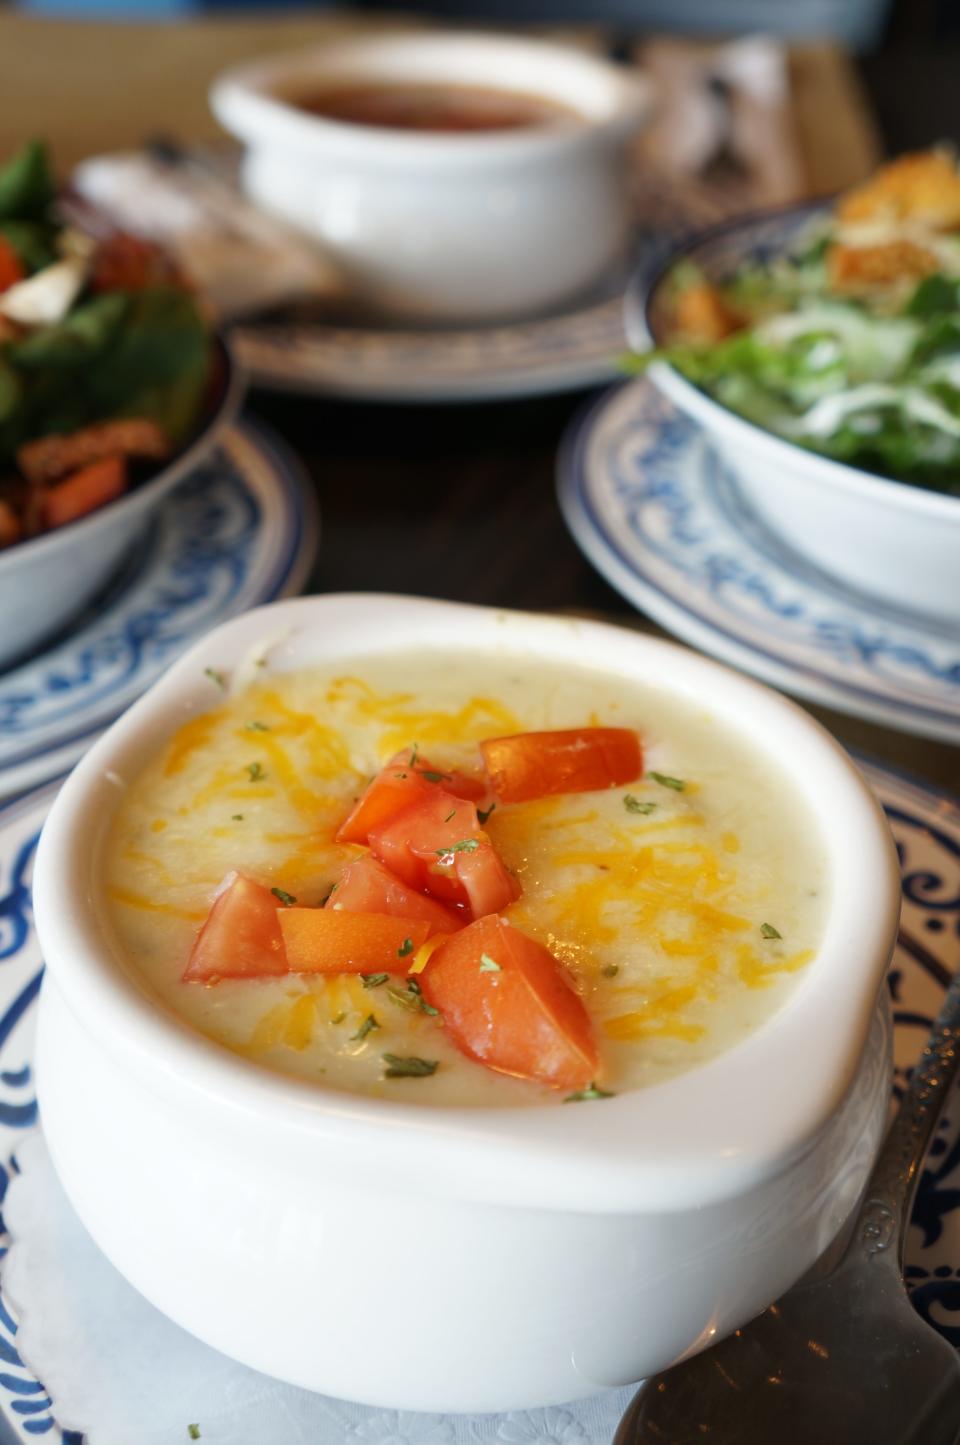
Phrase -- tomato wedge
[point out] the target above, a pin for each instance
(321, 940)
(366, 886)
(508, 1003)
(241, 937)
(84, 490)
(11, 267)
(436, 847)
(579, 760)
(405, 778)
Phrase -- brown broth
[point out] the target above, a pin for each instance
(434, 107)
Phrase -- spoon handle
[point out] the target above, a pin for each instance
(881, 1225)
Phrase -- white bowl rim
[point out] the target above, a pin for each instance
(872, 486)
(144, 496)
(649, 1149)
(265, 113)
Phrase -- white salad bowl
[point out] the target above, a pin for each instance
(45, 581)
(898, 543)
(445, 226)
(440, 1258)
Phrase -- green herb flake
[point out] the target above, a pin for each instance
(405, 948)
(433, 777)
(452, 814)
(611, 970)
(484, 813)
(217, 678)
(194, 1432)
(373, 980)
(236, 818)
(488, 964)
(465, 845)
(427, 1008)
(634, 805)
(408, 1067)
(256, 772)
(590, 1092)
(367, 1027)
(256, 727)
(677, 784)
(767, 930)
(413, 756)
(287, 899)
(399, 775)
(338, 1019)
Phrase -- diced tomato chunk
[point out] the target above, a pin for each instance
(322, 940)
(241, 937)
(508, 1003)
(366, 886)
(398, 785)
(11, 267)
(85, 490)
(436, 847)
(578, 760)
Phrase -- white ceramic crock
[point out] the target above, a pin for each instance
(458, 1259)
(444, 226)
(897, 543)
(45, 582)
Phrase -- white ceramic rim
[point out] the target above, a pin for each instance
(246, 101)
(873, 488)
(145, 496)
(645, 1150)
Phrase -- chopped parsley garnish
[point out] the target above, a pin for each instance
(373, 980)
(677, 784)
(237, 818)
(256, 727)
(484, 813)
(427, 1008)
(452, 814)
(409, 1067)
(433, 777)
(369, 1024)
(634, 805)
(399, 775)
(194, 1432)
(287, 899)
(339, 1018)
(217, 678)
(767, 930)
(465, 845)
(405, 948)
(590, 1092)
(411, 998)
(611, 970)
(413, 756)
(488, 964)
(256, 772)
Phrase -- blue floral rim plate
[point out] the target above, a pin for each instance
(926, 826)
(658, 513)
(241, 529)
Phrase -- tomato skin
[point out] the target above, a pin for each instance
(522, 1018)
(366, 886)
(322, 940)
(11, 267)
(241, 937)
(435, 846)
(576, 760)
(397, 786)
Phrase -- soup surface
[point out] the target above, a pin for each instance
(432, 107)
(682, 907)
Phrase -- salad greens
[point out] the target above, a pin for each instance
(867, 375)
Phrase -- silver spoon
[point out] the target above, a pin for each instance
(842, 1359)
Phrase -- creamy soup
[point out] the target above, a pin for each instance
(683, 906)
(434, 107)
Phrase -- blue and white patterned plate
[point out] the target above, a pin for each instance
(927, 829)
(240, 530)
(661, 517)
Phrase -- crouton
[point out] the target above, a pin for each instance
(858, 269)
(700, 313)
(923, 187)
(49, 458)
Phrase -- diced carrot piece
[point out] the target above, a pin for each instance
(12, 268)
(580, 760)
(241, 937)
(91, 487)
(398, 785)
(322, 940)
(366, 886)
(435, 846)
(509, 1004)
